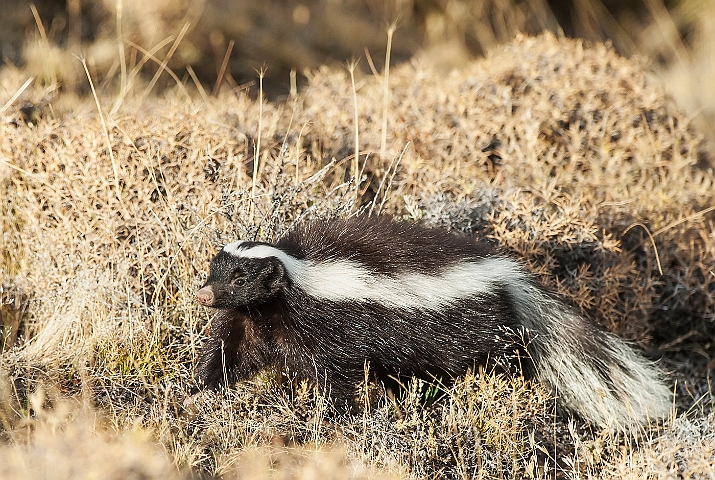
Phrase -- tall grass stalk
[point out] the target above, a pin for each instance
(356, 127)
(257, 149)
(165, 62)
(386, 91)
(110, 151)
(120, 48)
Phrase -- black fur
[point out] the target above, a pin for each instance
(267, 320)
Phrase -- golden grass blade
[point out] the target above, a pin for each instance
(108, 142)
(164, 63)
(16, 95)
(222, 70)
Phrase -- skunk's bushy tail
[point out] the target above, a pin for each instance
(593, 373)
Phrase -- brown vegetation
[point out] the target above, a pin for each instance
(565, 154)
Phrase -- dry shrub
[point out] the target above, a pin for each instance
(687, 450)
(68, 441)
(277, 462)
(684, 449)
(564, 155)
(484, 426)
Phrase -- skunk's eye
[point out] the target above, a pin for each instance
(239, 278)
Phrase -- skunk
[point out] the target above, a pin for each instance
(333, 295)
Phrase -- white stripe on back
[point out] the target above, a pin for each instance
(346, 280)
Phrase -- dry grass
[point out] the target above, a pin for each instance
(564, 154)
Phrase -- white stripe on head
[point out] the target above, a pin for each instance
(345, 280)
(292, 264)
(233, 247)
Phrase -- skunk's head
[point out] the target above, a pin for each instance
(237, 280)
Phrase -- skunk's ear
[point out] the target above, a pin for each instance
(274, 275)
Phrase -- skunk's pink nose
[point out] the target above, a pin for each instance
(205, 296)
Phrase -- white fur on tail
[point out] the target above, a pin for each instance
(636, 394)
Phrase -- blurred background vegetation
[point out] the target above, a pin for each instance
(225, 42)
